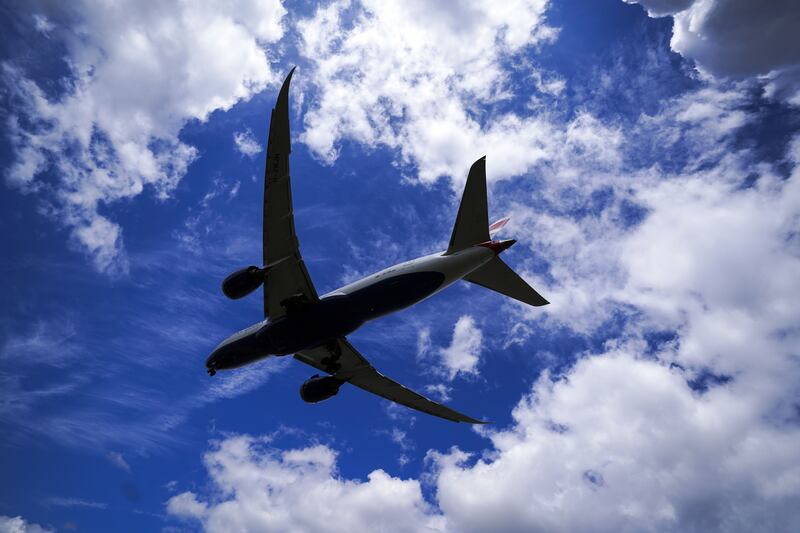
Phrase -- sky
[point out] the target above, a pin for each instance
(647, 152)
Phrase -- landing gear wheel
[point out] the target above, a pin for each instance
(212, 371)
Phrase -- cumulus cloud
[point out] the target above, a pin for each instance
(113, 131)
(17, 524)
(461, 356)
(246, 143)
(738, 38)
(412, 77)
(605, 174)
(258, 488)
(698, 432)
(624, 444)
(695, 433)
(464, 352)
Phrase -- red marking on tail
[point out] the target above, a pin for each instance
(498, 246)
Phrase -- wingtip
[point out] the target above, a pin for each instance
(480, 162)
(465, 419)
(284, 92)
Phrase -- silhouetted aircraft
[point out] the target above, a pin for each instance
(313, 327)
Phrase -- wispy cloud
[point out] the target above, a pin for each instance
(75, 502)
(118, 460)
(53, 342)
(42, 24)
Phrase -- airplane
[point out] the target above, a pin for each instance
(314, 328)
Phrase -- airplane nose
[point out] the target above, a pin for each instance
(216, 361)
(235, 351)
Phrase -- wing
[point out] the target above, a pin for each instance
(289, 278)
(355, 369)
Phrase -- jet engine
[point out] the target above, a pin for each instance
(243, 282)
(316, 389)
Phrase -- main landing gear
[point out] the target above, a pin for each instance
(331, 362)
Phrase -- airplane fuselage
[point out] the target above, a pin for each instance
(344, 310)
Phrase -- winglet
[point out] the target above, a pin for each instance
(279, 122)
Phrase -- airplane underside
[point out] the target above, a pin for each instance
(309, 325)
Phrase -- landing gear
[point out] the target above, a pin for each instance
(212, 371)
(295, 303)
(331, 362)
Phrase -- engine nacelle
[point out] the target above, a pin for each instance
(316, 388)
(243, 282)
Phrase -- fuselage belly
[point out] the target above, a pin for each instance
(344, 310)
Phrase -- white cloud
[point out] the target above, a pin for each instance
(42, 24)
(413, 77)
(623, 444)
(246, 143)
(118, 460)
(464, 352)
(185, 505)
(256, 488)
(17, 524)
(75, 502)
(738, 38)
(586, 276)
(660, 8)
(138, 74)
(51, 342)
(439, 391)
(424, 342)
(621, 441)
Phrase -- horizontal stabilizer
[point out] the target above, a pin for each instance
(498, 276)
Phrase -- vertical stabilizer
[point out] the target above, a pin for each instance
(472, 221)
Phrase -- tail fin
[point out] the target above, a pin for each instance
(498, 276)
(472, 221)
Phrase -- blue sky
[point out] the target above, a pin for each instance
(649, 162)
